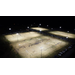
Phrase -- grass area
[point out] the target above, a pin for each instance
(7, 51)
(25, 50)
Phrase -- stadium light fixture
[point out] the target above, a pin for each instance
(9, 28)
(40, 24)
(66, 37)
(40, 30)
(17, 33)
(28, 27)
(60, 27)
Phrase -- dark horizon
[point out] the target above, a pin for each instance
(66, 22)
(36, 19)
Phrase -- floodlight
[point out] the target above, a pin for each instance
(9, 28)
(27, 27)
(17, 34)
(60, 26)
(19, 44)
(66, 37)
(40, 24)
(40, 30)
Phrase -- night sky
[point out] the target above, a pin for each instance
(53, 21)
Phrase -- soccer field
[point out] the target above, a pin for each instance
(63, 34)
(35, 45)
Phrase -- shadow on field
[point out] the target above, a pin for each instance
(7, 51)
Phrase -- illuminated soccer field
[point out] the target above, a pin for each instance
(35, 45)
(39, 28)
(63, 34)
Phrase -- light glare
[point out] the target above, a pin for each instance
(17, 34)
(60, 26)
(9, 28)
(27, 27)
(40, 24)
